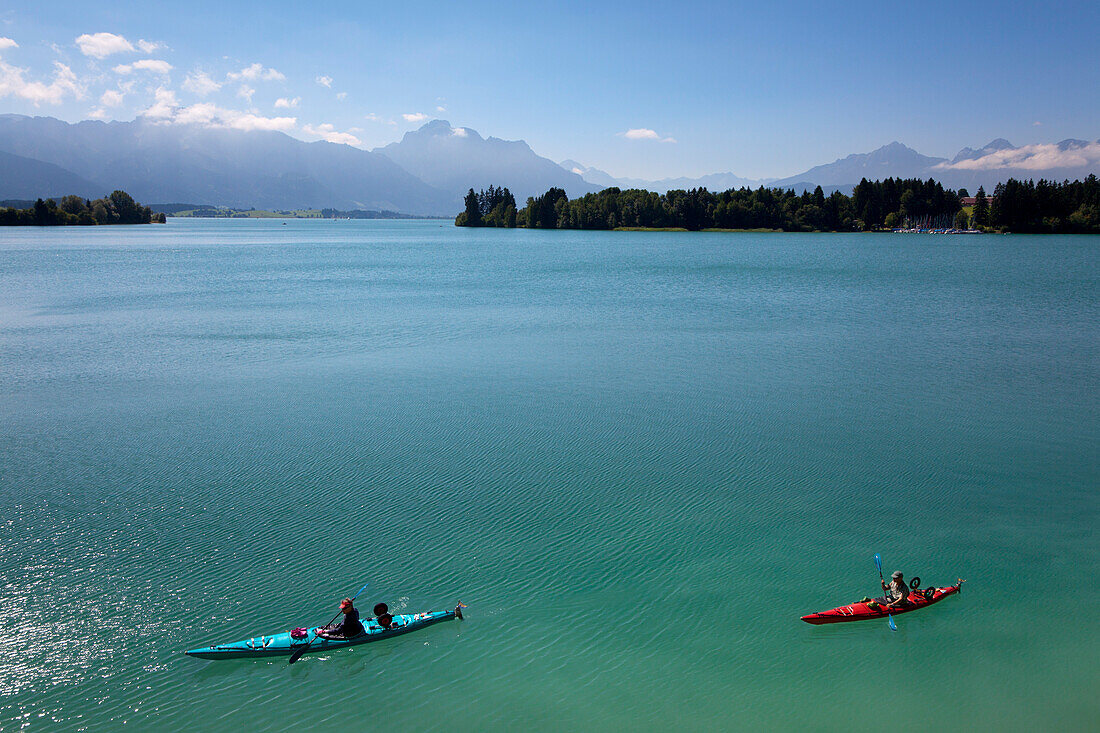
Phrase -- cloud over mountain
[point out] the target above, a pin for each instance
(1037, 158)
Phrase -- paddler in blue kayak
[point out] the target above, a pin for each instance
(897, 593)
(347, 628)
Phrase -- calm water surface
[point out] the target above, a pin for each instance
(638, 458)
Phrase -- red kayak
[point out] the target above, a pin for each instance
(876, 608)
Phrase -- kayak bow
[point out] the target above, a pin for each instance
(283, 644)
(862, 610)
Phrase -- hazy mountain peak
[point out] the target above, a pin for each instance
(595, 176)
(998, 144)
(436, 127)
(439, 131)
(572, 166)
(1071, 143)
(457, 159)
(992, 146)
(892, 160)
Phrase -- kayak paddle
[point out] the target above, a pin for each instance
(299, 652)
(878, 564)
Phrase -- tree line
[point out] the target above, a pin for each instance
(492, 207)
(118, 208)
(874, 205)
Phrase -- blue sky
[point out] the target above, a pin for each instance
(759, 89)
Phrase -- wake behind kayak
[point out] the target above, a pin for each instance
(308, 641)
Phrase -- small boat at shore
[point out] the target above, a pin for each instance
(876, 608)
(308, 641)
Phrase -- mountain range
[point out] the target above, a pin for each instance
(987, 166)
(456, 159)
(218, 166)
(426, 173)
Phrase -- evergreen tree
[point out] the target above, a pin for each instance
(473, 209)
(981, 209)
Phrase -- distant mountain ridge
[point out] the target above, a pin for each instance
(890, 161)
(217, 166)
(456, 159)
(27, 178)
(987, 166)
(426, 173)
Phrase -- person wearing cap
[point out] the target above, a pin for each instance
(897, 593)
(346, 629)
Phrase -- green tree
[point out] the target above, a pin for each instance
(473, 210)
(981, 208)
(962, 220)
(73, 205)
(126, 208)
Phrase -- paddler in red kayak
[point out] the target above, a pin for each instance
(897, 593)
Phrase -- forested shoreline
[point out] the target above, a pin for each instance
(118, 208)
(1014, 206)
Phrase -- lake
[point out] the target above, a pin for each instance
(638, 458)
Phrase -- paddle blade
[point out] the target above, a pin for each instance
(298, 654)
(878, 562)
(893, 626)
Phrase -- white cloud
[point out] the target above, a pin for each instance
(414, 116)
(341, 96)
(202, 113)
(644, 133)
(285, 103)
(250, 121)
(164, 105)
(101, 45)
(200, 83)
(64, 83)
(1040, 157)
(440, 108)
(325, 81)
(378, 118)
(111, 98)
(256, 72)
(328, 132)
(246, 92)
(6, 43)
(154, 65)
(98, 114)
(166, 109)
(148, 46)
(459, 132)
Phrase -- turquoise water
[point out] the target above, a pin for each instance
(638, 458)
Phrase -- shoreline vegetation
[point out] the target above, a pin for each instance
(1043, 207)
(118, 208)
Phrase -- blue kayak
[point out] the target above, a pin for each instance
(283, 644)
